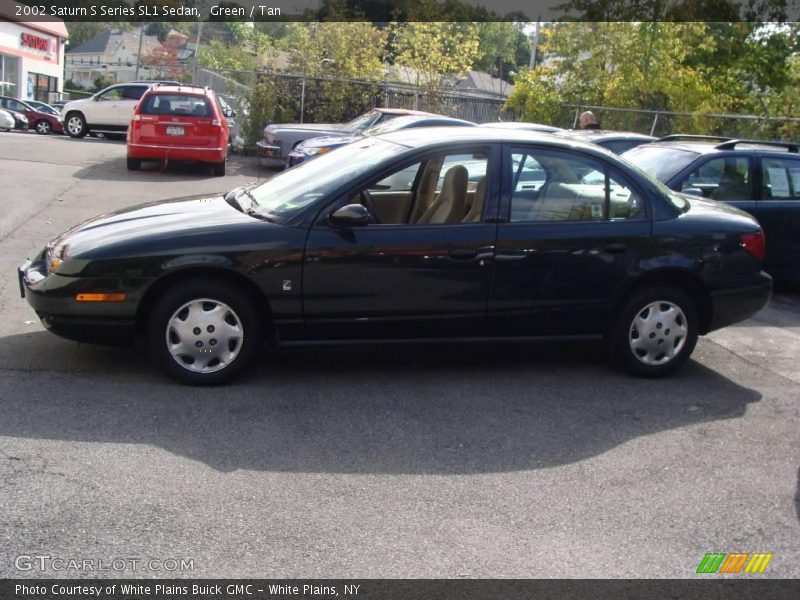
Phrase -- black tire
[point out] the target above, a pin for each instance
(203, 294)
(75, 125)
(668, 317)
(218, 169)
(43, 127)
(134, 164)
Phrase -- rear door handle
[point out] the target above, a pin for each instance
(615, 248)
(463, 253)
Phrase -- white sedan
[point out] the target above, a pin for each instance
(6, 120)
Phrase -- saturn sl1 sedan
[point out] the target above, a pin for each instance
(446, 233)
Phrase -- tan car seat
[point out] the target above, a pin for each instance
(451, 204)
(476, 210)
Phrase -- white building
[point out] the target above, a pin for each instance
(112, 54)
(31, 56)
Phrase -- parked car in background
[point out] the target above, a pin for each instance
(7, 121)
(762, 178)
(321, 145)
(616, 141)
(179, 123)
(330, 252)
(281, 138)
(44, 107)
(43, 123)
(521, 126)
(20, 120)
(109, 111)
(59, 105)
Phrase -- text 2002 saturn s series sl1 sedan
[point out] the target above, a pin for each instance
(425, 234)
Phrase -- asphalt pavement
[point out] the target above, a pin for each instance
(515, 460)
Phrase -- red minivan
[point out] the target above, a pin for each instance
(181, 123)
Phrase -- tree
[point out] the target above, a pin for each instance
(503, 47)
(437, 52)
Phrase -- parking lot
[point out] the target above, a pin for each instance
(515, 460)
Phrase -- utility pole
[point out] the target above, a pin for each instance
(534, 45)
(196, 49)
(139, 53)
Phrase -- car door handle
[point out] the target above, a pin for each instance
(463, 253)
(615, 248)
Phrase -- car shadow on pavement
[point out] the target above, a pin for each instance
(116, 170)
(420, 409)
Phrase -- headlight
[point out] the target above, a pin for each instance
(55, 255)
(315, 151)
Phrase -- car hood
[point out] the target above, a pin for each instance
(307, 127)
(330, 140)
(178, 223)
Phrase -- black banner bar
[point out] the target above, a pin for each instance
(733, 588)
(382, 11)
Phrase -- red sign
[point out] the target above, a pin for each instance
(34, 41)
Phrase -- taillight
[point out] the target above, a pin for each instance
(137, 117)
(754, 244)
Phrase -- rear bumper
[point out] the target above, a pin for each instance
(734, 304)
(163, 152)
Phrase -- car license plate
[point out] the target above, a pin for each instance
(174, 130)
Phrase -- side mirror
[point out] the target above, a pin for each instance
(352, 215)
(692, 191)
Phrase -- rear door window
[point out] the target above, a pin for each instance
(780, 179)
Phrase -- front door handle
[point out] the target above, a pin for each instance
(463, 253)
(615, 248)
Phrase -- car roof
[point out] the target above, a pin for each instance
(180, 89)
(423, 136)
(521, 125)
(403, 111)
(595, 135)
(710, 144)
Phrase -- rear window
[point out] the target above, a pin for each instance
(177, 105)
(659, 161)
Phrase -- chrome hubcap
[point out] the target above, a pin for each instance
(74, 125)
(204, 335)
(43, 127)
(658, 333)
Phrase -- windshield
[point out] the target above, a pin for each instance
(363, 122)
(658, 161)
(286, 194)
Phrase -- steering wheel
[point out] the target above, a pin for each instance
(369, 203)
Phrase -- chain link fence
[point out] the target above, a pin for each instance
(661, 123)
(267, 97)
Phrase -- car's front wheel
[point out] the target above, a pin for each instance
(76, 125)
(204, 332)
(43, 127)
(655, 332)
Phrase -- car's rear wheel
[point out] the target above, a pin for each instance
(204, 332)
(43, 127)
(218, 169)
(134, 164)
(655, 332)
(76, 125)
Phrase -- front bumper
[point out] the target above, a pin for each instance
(268, 150)
(53, 298)
(738, 302)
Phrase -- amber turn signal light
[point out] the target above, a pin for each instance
(101, 297)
